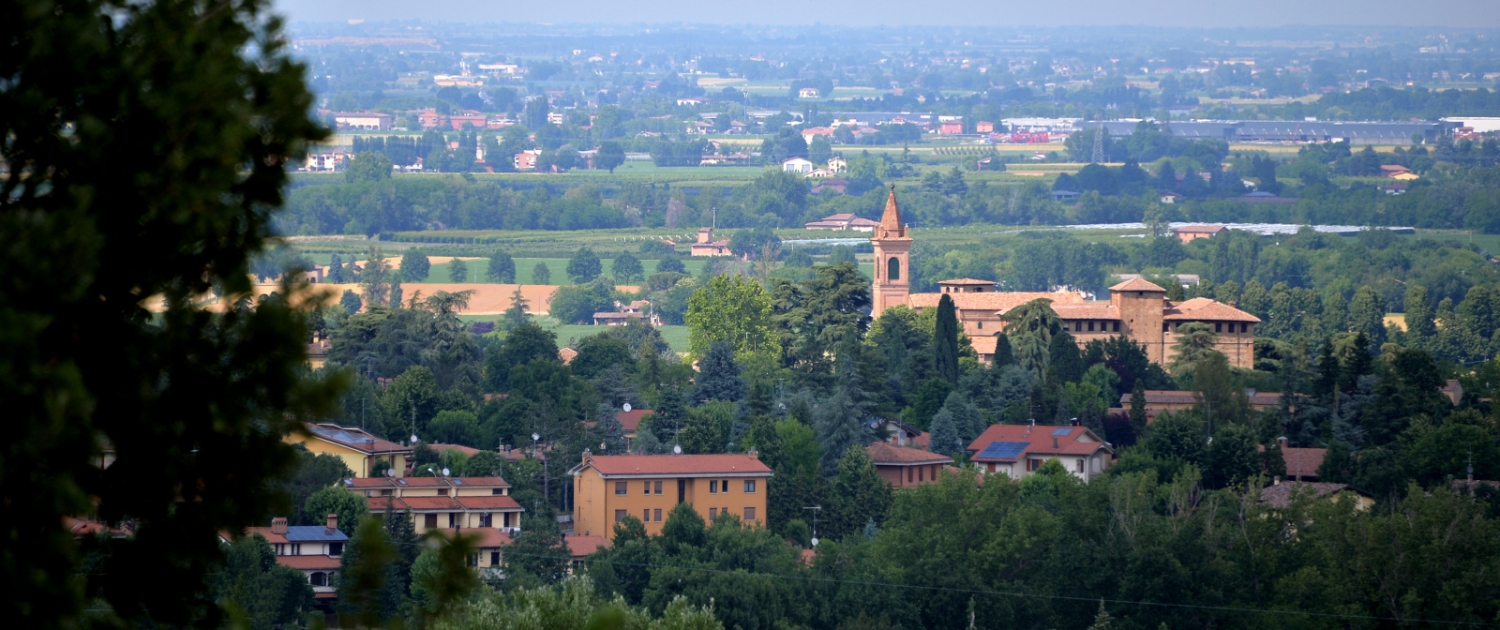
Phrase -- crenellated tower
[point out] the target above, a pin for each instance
(892, 260)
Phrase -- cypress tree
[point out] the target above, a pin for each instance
(1003, 354)
(838, 427)
(860, 495)
(945, 341)
(1367, 315)
(1420, 331)
(1138, 416)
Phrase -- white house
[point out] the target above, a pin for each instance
(797, 165)
(1019, 450)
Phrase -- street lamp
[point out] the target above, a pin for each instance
(815, 510)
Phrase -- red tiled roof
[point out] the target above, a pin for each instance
(1137, 284)
(997, 301)
(631, 420)
(489, 503)
(468, 451)
(367, 483)
(309, 563)
(580, 546)
(967, 282)
(1204, 309)
(1303, 462)
(731, 464)
(1086, 310)
(1076, 440)
(425, 503)
(883, 453)
(891, 226)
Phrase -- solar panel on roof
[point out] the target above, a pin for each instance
(1004, 450)
(1059, 432)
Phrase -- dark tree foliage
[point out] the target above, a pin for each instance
(251, 584)
(945, 341)
(147, 148)
(525, 343)
(584, 266)
(501, 268)
(718, 376)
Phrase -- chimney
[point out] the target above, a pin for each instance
(1276, 481)
(1281, 442)
(278, 525)
(1054, 443)
(333, 521)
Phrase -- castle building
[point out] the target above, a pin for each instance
(1137, 309)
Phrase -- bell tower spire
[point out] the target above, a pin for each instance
(892, 248)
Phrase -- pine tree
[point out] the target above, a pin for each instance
(967, 420)
(1367, 315)
(944, 439)
(838, 426)
(718, 376)
(396, 293)
(336, 270)
(945, 341)
(860, 495)
(670, 414)
(1065, 362)
(515, 314)
(1102, 619)
(609, 425)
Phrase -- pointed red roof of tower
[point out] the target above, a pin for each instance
(890, 222)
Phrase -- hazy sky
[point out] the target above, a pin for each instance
(1190, 13)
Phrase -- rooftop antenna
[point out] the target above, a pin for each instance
(1098, 156)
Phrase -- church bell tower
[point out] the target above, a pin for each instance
(892, 260)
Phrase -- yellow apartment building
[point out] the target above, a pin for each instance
(609, 487)
(360, 450)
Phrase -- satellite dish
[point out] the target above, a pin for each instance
(445, 472)
(536, 436)
(677, 449)
(627, 407)
(390, 472)
(413, 438)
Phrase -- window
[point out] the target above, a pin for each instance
(749, 514)
(442, 492)
(1117, 326)
(645, 516)
(499, 492)
(1164, 327)
(658, 487)
(452, 519)
(486, 520)
(1218, 327)
(981, 325)
(713, 513)
(749, 486)
(921, 473)
(335, 549)
(646, 487)
(280, 549)
(893, 269)
(1080, 465)
(658, 514)
(387, 492)
(318, 578)
(1091, 326)
(725, 486)
(619, 515)
(296, 549)
(620, 488)
(429, 520)
(494, 558)
(1244, 327)
(713, 486)
(1032, 464)
(908, 475)
(472, 560)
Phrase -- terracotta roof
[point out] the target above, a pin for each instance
(366, 483)
(1204, 309)
(422, 503)
(631, 420)
(891, 227)
(889, 455)
(984, 345)
(309, 563)
(1137, 284)
(842, 216)
(489, 503)
(567, 355)
(581, 546)
(1086, 310)
(355, 439)
(967, 282)
(1280, 495)
(732, 464)
(996, 301)
(468, 451)
(1038, 440)
(1199, 229)
(1303, 462)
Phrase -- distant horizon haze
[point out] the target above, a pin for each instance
(867, 13)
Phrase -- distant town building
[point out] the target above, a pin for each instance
(1019, 450)
(799, 165)
(706, 246)
(362, 121)
(607, 488)
(1190, 233)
